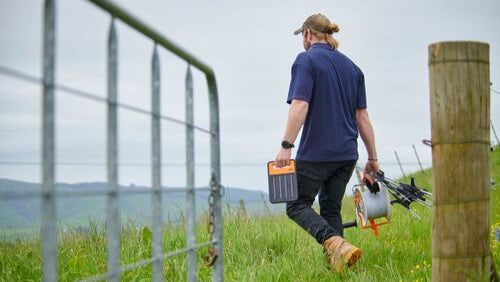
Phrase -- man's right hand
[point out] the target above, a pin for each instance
(371, 165)
(283, 157)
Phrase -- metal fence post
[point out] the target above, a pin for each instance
(190, 197)
(399, 162)
(418, 159)
(494, 133)
(113, 212)
(156, 169)
(218, 272)
(49, 226)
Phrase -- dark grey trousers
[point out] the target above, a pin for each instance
(329, 179)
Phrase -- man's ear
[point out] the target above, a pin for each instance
(309, 35)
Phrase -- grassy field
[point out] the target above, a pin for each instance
(266, 248)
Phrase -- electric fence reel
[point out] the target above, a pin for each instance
(372, 203)
(372, 199)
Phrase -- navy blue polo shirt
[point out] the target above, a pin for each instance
(334, 87)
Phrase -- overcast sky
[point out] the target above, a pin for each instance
(251, 47)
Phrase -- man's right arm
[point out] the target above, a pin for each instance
(367, 135)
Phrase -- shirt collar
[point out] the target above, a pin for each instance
(321, 45)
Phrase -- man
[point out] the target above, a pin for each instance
(327, 96)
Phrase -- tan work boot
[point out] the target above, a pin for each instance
(340, 252)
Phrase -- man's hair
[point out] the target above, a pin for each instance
(328, 35)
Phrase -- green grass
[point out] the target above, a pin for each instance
(256, 248)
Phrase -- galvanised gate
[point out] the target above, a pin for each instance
(48, 193)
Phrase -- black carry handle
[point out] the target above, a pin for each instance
(350, 224)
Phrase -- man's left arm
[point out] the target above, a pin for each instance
(296, 117)
(367, 135)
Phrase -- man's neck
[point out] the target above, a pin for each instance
(314, 41)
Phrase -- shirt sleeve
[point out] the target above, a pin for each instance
(301, 84)
(361, 95)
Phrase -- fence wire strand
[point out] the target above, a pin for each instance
(6, 71)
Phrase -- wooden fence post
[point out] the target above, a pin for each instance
(460, 122)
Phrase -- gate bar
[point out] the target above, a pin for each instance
(49, 218)
(190, 197)
(113, 218)
(135, 23)
(156, 169)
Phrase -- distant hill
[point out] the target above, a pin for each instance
(24, 213)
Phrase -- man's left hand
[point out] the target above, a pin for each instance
(372, 165)
(283, 157)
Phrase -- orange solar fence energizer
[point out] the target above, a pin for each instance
(282, 183)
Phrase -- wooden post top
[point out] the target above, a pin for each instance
(459, 51)
(459, 80)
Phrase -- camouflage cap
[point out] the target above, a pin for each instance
(316, 22)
